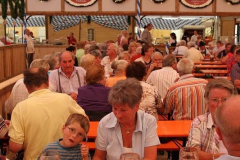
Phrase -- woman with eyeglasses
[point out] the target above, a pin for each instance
(202, 134)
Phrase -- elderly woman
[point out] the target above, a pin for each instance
(98, 56)
(87, 61)
(119, 70)
(93, 97)
(151, 100)
(146, 59)
(202, 134)
(126, 129)
(53, 60)
(181, 49)
(132, 49)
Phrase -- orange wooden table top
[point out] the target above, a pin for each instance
(215, 66)
(208, 62)
(165, 128)
(210, 71)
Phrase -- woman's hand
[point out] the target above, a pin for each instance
(84, 151)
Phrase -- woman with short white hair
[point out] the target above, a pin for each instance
(181, 49)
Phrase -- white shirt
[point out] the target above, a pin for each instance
(30, 45)
(181, 50)
(193, 54)
(162, 79)
(107, 65)
(194, 38)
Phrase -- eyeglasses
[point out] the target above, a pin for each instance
(216, 101)
(73, 131)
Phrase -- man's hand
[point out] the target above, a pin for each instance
(74, 96)
(84, 151)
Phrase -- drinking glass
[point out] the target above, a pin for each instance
(188, 153)
(129, 156)
(49, 155)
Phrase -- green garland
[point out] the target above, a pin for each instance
(14, 6)
(4, 8)
(21, 10)
(233, 3)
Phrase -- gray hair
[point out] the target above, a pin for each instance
(40, 63)
(185, 66)
(182, 43)
(87, 48)
(156, 53)
(87, 61)
(128, 91)
(220, 83)
(191, 44)
(230, 128)
(123, 54)
(72, 54)
(96, 53)
(119, 65)
(52, 60)
(115, 47)
(168, 60)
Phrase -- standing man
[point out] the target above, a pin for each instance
(112, 55)
(124, 36)
(146, 35)
(71, 39)
(194, 37)
(228, 127)
(185, 98)
(67, 79)
(38, 120)
(30, 46)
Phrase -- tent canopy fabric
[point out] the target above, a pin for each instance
(33, 21)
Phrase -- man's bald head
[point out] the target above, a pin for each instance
(227, 120)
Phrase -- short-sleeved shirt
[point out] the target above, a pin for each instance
(71, 41)
(66, 153)
(3, 127)
(68, 85)
(109, 137)
(235, 72)
(107, 65)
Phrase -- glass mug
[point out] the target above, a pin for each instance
(49, 155)
(188, 153)
(129, 156)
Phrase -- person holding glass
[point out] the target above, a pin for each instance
(127, 129)
(203, 135)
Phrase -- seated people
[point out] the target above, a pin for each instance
(181, 49)
(38, 120)
(119, 70)
(93, 97)
(19, 91)
(156, 62)
(202, 48)
(203, 134)
(185, 98)
(192, 53)
(74, 131)
(67, 79)
(224, 52)
(126, 129)
(228, 127)
(235, 71)
(3, 127)
(147, 51)
(151, 100)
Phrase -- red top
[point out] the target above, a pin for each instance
(71, 40)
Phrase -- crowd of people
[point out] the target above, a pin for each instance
(125, 85)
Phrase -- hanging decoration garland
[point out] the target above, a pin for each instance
(119, 1)
(196, 4)
(78, 3)
(233, 3)
(158, 1)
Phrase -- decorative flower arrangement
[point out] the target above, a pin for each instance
(196, 3)
(81, 4)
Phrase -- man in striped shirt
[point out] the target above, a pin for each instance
(162, 79)
(185, 98)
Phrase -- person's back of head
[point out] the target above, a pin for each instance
(71, 49)
(185, 66)
(190, 44)
(81, 45)
(37, 63)
(35, 78)
(95, 74)
(182, 43)
(52, 60)
(87, 61)
(119, 66)
(169, 60)
(228, 126)
(136, 70)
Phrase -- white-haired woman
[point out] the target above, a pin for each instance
(181, 49)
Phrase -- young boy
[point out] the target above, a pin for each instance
(74, 132)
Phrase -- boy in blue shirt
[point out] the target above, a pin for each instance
(74, 132)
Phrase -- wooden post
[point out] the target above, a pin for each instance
(80, 28)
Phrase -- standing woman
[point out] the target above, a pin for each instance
(147, 51)
(173, 40)
(126, 129)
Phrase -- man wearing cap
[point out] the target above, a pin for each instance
(202, 48)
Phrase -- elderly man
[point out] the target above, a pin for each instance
(38, 120)
(228, 127)
(194, 37)
(146, 35)
(67, 79)
(112, 55)
(163, 78)
(19, 91)
(192, 53)
(185, 98)
(30, 46)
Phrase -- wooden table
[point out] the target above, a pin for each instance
(208, 62)
(211, 71)
(214, 66)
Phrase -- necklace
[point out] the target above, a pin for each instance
(127, 130)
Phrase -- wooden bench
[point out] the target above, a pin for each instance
(169, 146)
